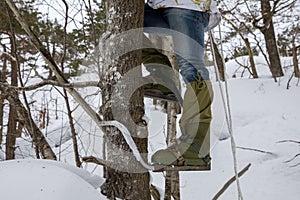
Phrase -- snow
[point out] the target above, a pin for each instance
(261, 118)
(47, 180)
(264, 113)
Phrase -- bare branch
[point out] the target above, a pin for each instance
(52, 64)
(243, 24)
(98, 161)
(295, 165)
(282, 6)
(230, 181)
(257, 150)
(249, 10)
(289, 81)
(293, 141)
(35, 133)
(65, 35)
(7, 56)
(55, 83)
(292, 158)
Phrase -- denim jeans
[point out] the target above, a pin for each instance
(187, 29)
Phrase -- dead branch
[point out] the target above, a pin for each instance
(71, 120)
(58, 84)
(295, 165)
(95, 160)
(257, 150)
(243, 66)
(35, 133)
(292, 158)
(230, 181)
(292, 141)
(289, 81)
(154, 192)
(52, 64)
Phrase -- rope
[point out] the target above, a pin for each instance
(227, 109)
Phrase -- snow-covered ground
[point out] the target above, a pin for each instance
(263, 114)
(47, 180)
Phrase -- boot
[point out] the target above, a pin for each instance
(193, 147)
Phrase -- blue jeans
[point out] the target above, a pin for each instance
(187, 29)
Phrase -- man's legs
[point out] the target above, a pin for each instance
(187, 29)
(188, 35)
(193, 147)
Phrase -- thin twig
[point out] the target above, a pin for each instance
(296, 165)
(288, 83)
(230, 181)
(292, 141)
(257, 150)
(292, 158)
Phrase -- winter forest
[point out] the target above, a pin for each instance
(69, 129)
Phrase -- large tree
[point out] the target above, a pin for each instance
(267, 28)
(269, 34)
(121, 180)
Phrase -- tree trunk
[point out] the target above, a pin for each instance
(11, 134)
(73, 131)
(269, 35)
(12, 118)
(218, 58)
(39, 141)
(248, 46)
(2, 98)
(252, 63)
(1, 117)
(126, 179)
(172, 187)
(295, 58)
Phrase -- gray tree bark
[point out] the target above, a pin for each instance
(39, 141)
(295, 58)
(218, 58)
(120, 183)
(269, 35)
(172, 182)
(2, 98)
(12, 117)
(251, 58)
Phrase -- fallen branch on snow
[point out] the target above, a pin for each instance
(292, 158)
(292, 141)
(257, 150)
(230, 181)
(295, 165)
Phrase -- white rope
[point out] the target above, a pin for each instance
(227, 109)
(127, 136)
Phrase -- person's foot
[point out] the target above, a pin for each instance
(181, 154)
